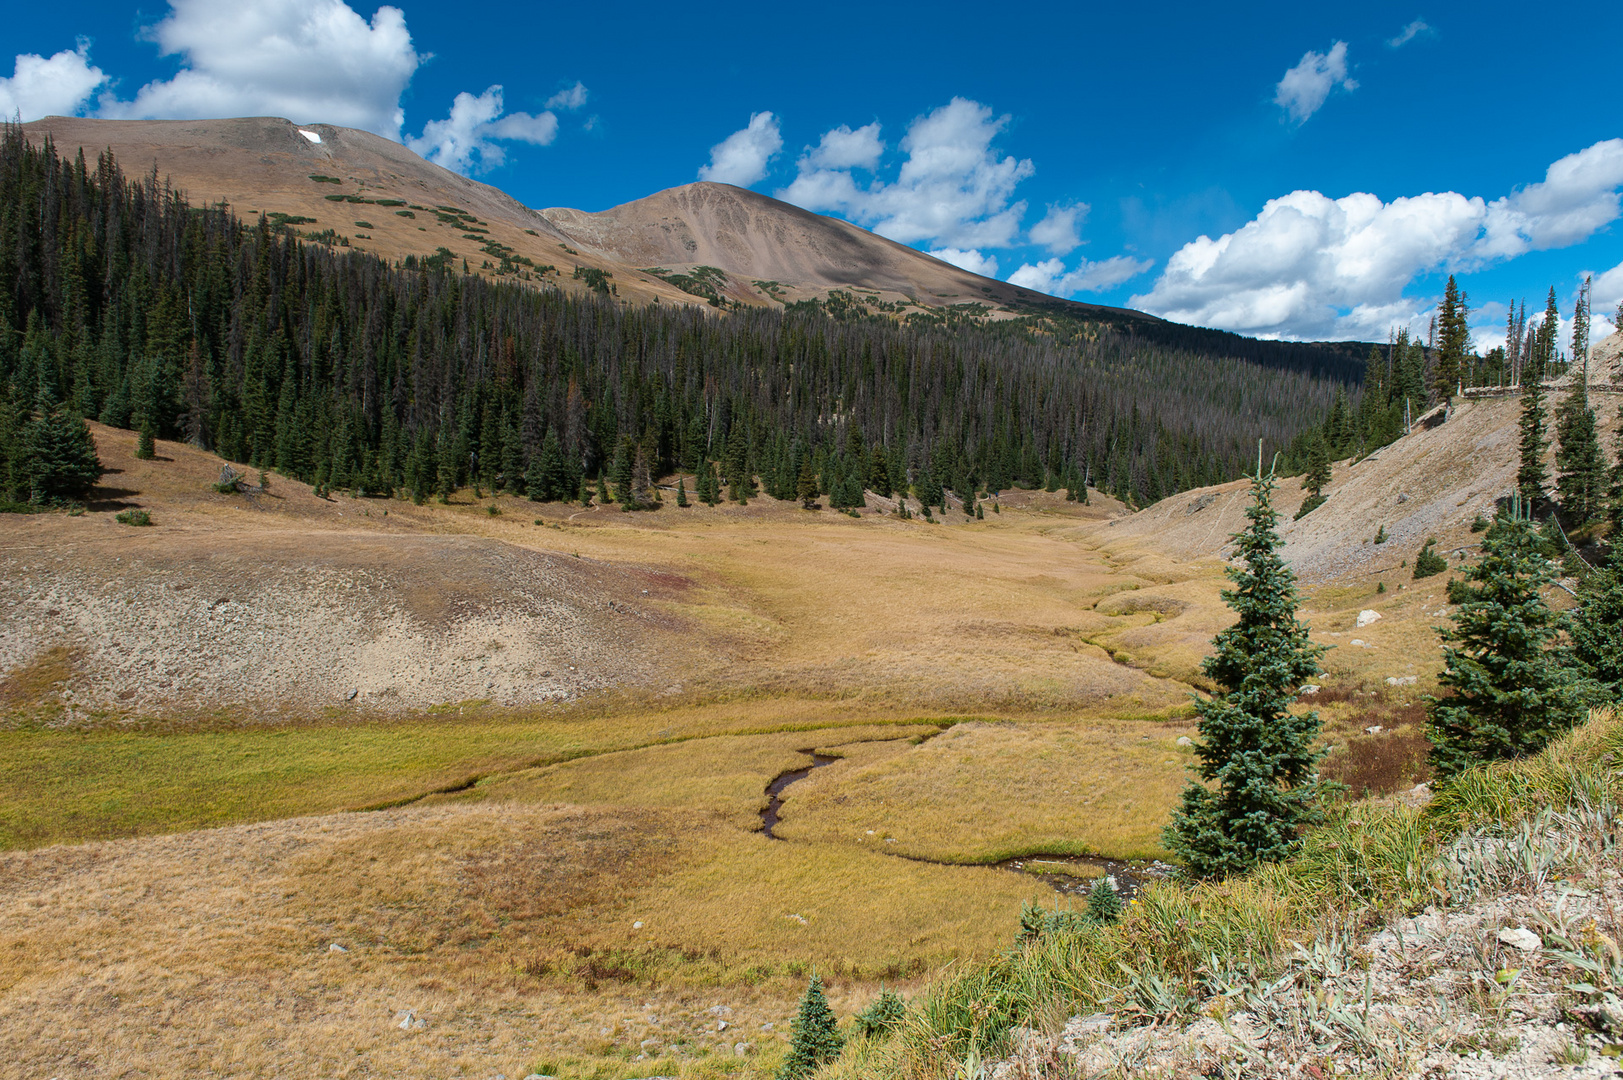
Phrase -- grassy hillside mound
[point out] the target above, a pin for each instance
(1403, 938)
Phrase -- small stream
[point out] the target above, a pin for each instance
(774, 790)
(1072, 875)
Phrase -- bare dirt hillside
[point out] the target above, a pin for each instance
(1433, 482)
(753, 238)
(273, 166)
(285, 601)
(1606, 361)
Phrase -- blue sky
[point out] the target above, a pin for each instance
(1292, 171)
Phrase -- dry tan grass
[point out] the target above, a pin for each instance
(983, 792)
(727, 774)
(505, 913)
(208, 952)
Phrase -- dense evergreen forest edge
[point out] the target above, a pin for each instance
(120, 302)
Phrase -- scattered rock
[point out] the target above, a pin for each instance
(539, 1076)
(1403, 496)
(719, 1010)
(637, 925)
(1201, 503)
(352, 692)
(801, 919)
(721, 1025)
(1374, 729)
(742, 1049)
(1400, 680)
(1309, 688)
(648, 1043)
(335, 947)
(1366, 617)
(1520, 937)
(410, 1021)
(1358, 643)
(767, 1026)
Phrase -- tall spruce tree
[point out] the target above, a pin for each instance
(1533, 473)
(1512, 686)
(1317, 475)
(816, 1035)
(1453, 340)
(1255, 752)
(1581, 485)
(1580, 329)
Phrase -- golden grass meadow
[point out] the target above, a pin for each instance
(582, 888)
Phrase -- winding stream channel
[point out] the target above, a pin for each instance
(1073, 875)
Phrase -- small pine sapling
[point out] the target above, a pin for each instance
(1380, 535)
(881, 1017)
(1104, 905)
(146, 447)
(816, 1038)
(1428, 562)
(681, 492)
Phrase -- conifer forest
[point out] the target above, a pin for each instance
(122, 303)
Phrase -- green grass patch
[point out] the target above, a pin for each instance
(60, 786)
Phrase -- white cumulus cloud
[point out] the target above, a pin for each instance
(1605, 297)
(1057, 231)
(1418, 28)
(49, 86)
(1050, 275)
(465, 141)
(1579, 195)
(1309, 266)
(741, 158)
(843, 148)
(304, 59)
(569, 99)
(1306, 86)
(971, 260)
(953, 189)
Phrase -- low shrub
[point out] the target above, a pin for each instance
(133, 517)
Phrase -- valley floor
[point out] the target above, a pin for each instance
(300, 786)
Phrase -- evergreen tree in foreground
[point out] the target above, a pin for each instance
(1597, 628)
(1258, 754)
(1512, 688)
(816, 1037)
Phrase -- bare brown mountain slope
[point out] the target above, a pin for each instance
(266, 164)
(754, 238)
(271, 165)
